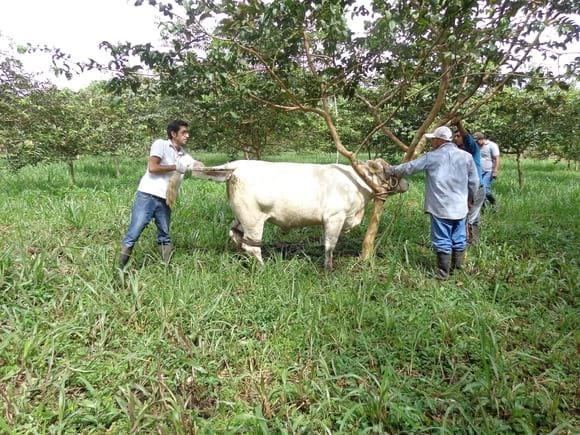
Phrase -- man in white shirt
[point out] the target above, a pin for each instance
(165, 157)
(489, 163)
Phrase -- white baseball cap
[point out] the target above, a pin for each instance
(440, 133)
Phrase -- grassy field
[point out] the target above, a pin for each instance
(213, 343)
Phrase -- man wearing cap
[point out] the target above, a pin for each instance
(450, 183)
(489, 163)
(465, 141)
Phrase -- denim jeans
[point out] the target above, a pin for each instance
(448, 234)
(145, 208)
(487, 179)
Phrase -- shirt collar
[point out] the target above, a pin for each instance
(180, 152)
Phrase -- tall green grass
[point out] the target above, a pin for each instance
(214, 343)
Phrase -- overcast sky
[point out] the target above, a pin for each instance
(78, 26)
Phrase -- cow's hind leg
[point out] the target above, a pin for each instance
(237, 234)
(252, 240)
(332, 228)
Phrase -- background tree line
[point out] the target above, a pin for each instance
(40, 123)
(275, 76)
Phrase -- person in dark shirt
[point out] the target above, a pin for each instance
(466, 141)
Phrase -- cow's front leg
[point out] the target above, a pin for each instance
(332, 228)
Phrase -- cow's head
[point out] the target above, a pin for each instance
(375, 169)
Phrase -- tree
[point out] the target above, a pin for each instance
(535, 120)
(560, 120)
(39, 122)
(63, 126)
(119, 123)
(19, 93)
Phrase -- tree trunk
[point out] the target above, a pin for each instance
(520, 173)
(71, 170)
(368, 246)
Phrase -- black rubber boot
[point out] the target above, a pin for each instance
(124, 256)
(165, 251)
(457, 259)
(443, 265)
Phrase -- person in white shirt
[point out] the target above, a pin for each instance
(489, 164)
(165, 157)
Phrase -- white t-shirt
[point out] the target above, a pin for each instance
(156, 184)
(488, 151)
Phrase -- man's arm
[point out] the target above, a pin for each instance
(156, 168)
(495, 162)
(495, 166)
(469, 143)
(408, 168)
(154, 163)
(461, 128)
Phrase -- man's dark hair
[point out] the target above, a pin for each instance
(174, 126)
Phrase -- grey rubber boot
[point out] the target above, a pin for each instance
(124, 256)
(443, 265)
(457, 259)
(165, 251)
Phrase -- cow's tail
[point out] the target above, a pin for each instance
(173, 189)
(215, 173)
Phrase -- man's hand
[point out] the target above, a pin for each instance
(184, 163)
(493, 175)
(388, 171)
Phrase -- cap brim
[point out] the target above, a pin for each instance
(430, 136)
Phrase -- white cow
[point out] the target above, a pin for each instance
(292, 195)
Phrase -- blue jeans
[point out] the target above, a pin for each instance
(486, 181)
(145, 208)
(448, 234)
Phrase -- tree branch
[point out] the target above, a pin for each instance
(443, 85)
(381, 125)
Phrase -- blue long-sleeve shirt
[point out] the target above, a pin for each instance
(451, 180)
